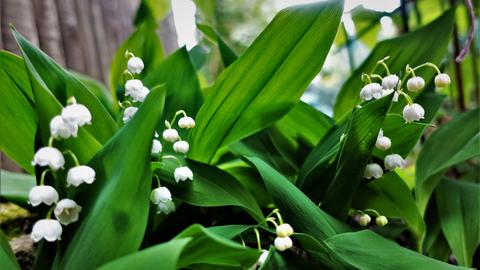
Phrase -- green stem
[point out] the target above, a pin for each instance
(372, 211)
(49, 214)
(428, 64)
(158, 180)
(42, 177)
(257, 235)
(74, 157)
(177, 114)
(280, 219)
(167, 124)
(50, 141)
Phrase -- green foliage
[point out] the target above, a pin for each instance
(15, 187)
(7, 258)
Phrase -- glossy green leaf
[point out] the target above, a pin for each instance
(180, 78)
(411, 48)
(143, 43)
(437, 156)
(100, 91)
(17, 111)
(8, 261)
(391, 197)
(368, 250)
(354, 154)
(227, 53)
(266, 81)
(115, 207)
(15, 186)
(62, 84)
(297, 209)
(211, 187)
(459, 213)
(154, 10)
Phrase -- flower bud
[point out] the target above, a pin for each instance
(67, 211)
(182, 174)
(283, 243)
(42, 194)
(166, 207)
(59, 128)
(80, 174)
(186, 122)
(383, 143)
(394, 161)
(390, 81)
(373, 170)
(170, 135)
(135, 65)
(381, 221)
(49, 156)
(442, 80)
(49, 229)
(132, 87)
(129, 113)
(284, 230)
(181, 147)
(161, 194)
(77, 115)
(371, 90)
(413, 112)
(156, 147)
(364, 219)
(415, 84)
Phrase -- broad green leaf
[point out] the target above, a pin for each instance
(143, 43)
(115, 207)
(154, 10)
(180, 78)
(437, 155)
(17, 111)
(227, 53)
(391, 197)
(229, 231)
(211, 187)
(354, 154)
(15, 186)
(62, 84)
(8, 261)
(100, 91)
(368, 250)
(459, 213)
(265, 82)
(411, 48)
(167, 254)
(297, 209)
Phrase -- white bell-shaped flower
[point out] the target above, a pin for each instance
(166, 207)
(79, 175)
(390, 81)
(373, 170)
(181, 147)
(371, 90)
(77, 114)
(284, 230)
(182, 174)
(415, 84)
(186, 122)
(48, 229)
(383, 143)
(161, 194)
(413, 112)
(42, 194)
(170, 135)
(260, 261)
(442, 80)
(49, 156)
(156, 147)
(140, 96)
(386, 92)
(135, 65)
(132, 87)
(364, 219)
(381, 221)
(394, 161)
(59, 128)
(283, 243)
(67, 211)
(129, 113)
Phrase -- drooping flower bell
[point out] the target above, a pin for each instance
(160, 194)
(284, 230)
(186, 122)
(415, 84)
(413, 112)
(181, 147)
(59, 128)
(166, 207)
(390, 81)
(381, 221)
(283, 243)
(156, 147)
(383, 143)
(49, 156)
(129, 113)
(135, 65)
(373, 170)
(77, 114)
(80, 174)
(133, 87)
(371, 90)
(182, 174)
(364, 220)
(442, 80)
(48, 229)
(42, 194)
(67, 211)
(170, 135)
(140, 95)
(393, 161)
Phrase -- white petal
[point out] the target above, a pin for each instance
(80, 174)
(49, 156)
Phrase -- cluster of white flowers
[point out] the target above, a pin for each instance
(135, 91)
(363, 219)
(66, 211)
(283, 241)
(162, 197)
